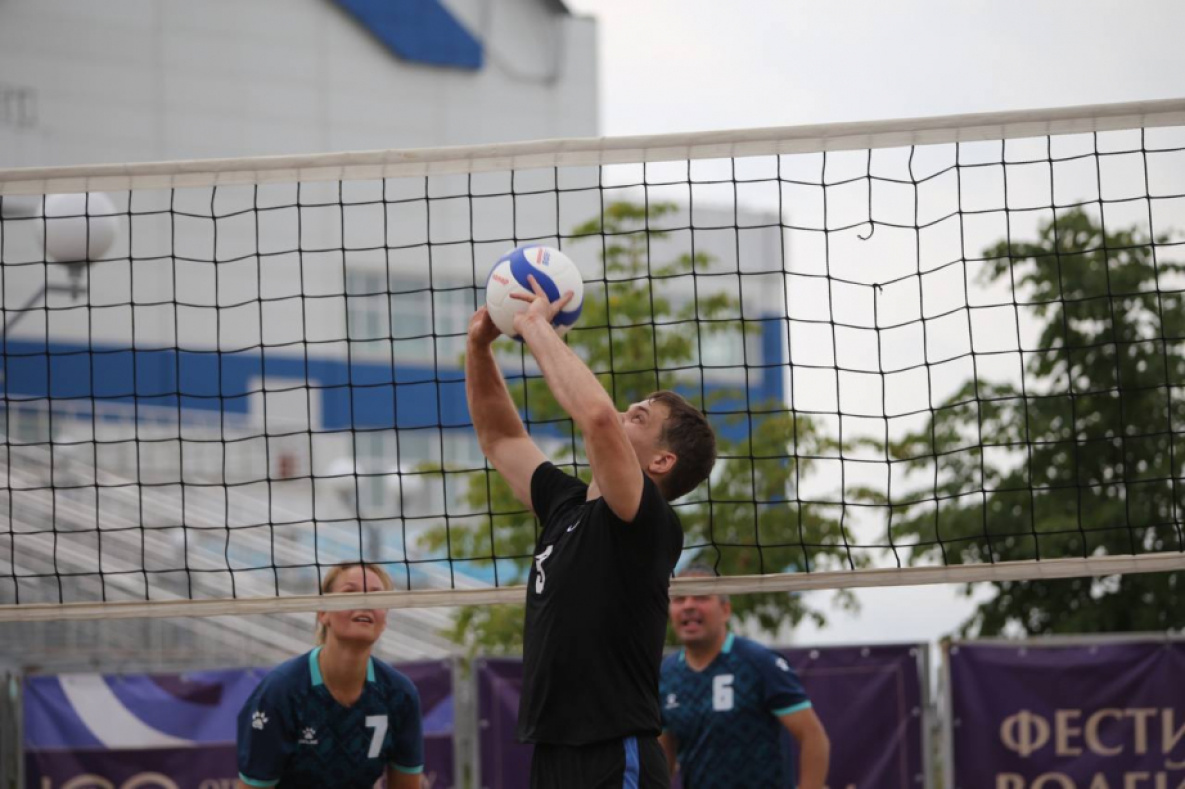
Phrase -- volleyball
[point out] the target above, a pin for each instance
(553, 270)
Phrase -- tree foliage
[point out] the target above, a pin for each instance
(639, 332)
(1081, 454)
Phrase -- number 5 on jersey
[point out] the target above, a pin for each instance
(540, 577)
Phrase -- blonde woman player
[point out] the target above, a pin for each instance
(335, 717)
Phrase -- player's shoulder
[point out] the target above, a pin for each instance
(548, 473)
(394, 682)
(767, 663)
(673, 663)
(554, 490)
(294, 672)
(288, 679)
(751, 651)
(652, 493)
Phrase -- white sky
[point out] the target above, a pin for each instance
(688, 65)
(691, 65)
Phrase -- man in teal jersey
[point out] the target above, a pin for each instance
(727, 701)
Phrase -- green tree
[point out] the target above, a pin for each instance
(1078, 458)
(639, 333)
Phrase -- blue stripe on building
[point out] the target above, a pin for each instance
(421, 31)
(353, 393)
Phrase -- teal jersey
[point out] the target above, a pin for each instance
(293, 734)
(725, 717)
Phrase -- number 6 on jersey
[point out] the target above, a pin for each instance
(722, 692)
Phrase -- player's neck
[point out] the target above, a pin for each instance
(343, 670)
(700, 656)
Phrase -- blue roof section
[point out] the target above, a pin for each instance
(421, 31)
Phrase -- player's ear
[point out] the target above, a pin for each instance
(662, 461)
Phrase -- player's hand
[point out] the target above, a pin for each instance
(538, 305)
(482, 330)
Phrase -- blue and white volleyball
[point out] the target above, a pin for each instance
(553, 270)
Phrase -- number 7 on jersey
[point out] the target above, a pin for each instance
(379, 723)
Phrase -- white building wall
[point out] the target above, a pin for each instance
(128, 80)
(133, 80)
(145, 80)
(142, 80)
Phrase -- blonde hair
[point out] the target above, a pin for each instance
(331, 577)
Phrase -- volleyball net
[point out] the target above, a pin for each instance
(936, 350)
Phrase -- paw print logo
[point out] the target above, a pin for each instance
(258, 720)
(310, 734)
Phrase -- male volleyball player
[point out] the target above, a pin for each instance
(597, 591)
(726, 701)
(335, 717)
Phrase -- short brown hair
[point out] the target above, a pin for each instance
(686, 433)
(334, 573)
(702, 570)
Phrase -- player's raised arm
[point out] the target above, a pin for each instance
(500, 431)
(610, 453)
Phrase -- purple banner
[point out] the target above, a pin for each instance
(504, 763)
(198, 767)
(871, 703)
(869, 699)
(1103, 716)
(177, 731)
(434, 681)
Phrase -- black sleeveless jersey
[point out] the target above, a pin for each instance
(596, 614)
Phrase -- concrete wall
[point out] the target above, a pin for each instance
(346, 302)
(144, 80)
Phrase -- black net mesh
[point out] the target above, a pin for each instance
(946, 354)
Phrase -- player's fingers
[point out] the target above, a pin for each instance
(537, 291)
(535, 286)
(563, 302)
(482, 324)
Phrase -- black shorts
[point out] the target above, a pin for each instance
(632, 763)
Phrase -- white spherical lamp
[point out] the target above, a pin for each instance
(79, 228)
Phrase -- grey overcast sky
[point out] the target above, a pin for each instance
(691, 65)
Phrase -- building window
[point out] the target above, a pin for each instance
(27, 425)
(723, 348)
(406, 320)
